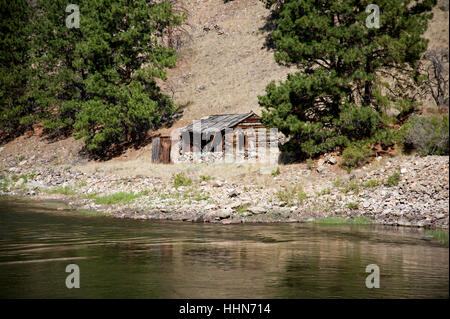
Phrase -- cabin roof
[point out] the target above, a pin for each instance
(219, 122)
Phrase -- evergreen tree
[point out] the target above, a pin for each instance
(99, 79)
(15, 111)
(348, 72)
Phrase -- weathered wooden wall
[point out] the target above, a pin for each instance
(161, 150)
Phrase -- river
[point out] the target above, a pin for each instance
(147, 259)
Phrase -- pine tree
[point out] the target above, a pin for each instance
(99, 80)
(348, 73)
(15, 111)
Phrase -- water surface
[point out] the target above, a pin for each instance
(148, 259)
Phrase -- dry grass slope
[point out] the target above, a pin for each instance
(225, 66)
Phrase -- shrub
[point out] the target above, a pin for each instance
(275, 172)
(292, 195)
(356, 155)
(120, 197)
(393, 180)
(181, 179)
(242, 209)
(4, 183)
(342, 221)
(351, 186)
(358, 122)
(66, 190)
(371, 183)
(385, 137)
(353, 205)
(429, 135)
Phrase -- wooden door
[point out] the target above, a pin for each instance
(161, 149)
(165, 144)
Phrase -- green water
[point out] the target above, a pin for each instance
(147, 259)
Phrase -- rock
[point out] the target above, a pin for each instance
(230, 221)
(256, 210)
(403, 222)
(444, 6)
(217, 184)
(210, 206)
(320, 169)
(198, 219)
(332, 160)
(233, 193)
(224, 213)
(403, 170)
(427, 238)
(22, 163)
(19, 183)
(423, 223)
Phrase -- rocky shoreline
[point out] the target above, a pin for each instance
(402, 191)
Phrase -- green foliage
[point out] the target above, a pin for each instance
(338, 182)
(325, 191)
(205, 178)
(181, 179)
(4, 183)
(356, 155)
(98, 81)
(120, 197)
(392, 180)
(337, 96)
(275, 172)
(242, 209)
(358, 122)
(292, 195)
(429, 135)
(66, 190)
(353, 205)
(371, 183)
(361, 220)
(15, 108)
(342, 221)
(352, 186)
(441, 236)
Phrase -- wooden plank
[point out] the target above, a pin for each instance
(164, 150)
(155, 150)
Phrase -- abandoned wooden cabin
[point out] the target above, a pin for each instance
(215, 137)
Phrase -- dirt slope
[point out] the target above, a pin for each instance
(223, 66)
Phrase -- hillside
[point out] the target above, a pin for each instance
(223, 70)
(223, 66)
